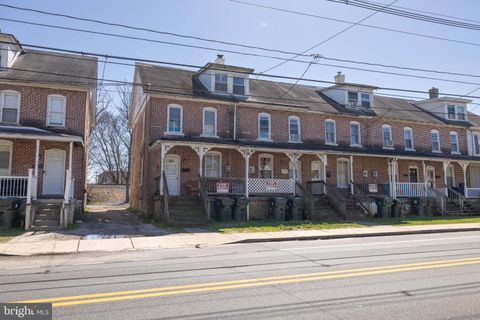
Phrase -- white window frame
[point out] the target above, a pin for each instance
(204, 134)
(359, 99)
(269, 117)
(171, 106)
(19, 99)
(9, 145)
(348, 99)
(359, 144)
(334, 143)
(49, 99)
(464, 113)
(453, 133)
(266, 155)
(411, 137)
(244, 85)
(476, 147)
(385, 146)
(215, 82)
(216, 153)
(432, 132)
(456, 113)
(289, 127)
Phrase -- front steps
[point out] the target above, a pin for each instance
(186, 212)
(47, 215)
(470, 207)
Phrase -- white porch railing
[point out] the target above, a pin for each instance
(411, 189)
(472, 192)
(270, 186)
(13, 187)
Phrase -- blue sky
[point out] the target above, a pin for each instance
(233, 22)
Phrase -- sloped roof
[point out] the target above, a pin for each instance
(52, 68)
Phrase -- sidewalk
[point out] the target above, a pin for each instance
(22, 245)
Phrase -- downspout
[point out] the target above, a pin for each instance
(234, 121)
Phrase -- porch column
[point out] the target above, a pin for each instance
(351, 175)
(294, 159)
(70, 156)
(35, 181)
(247, 153)
(424, 176)
(323, 158)
(464, 165)
(445, 166)
(201, 151)
(394, 178)
(163, 152)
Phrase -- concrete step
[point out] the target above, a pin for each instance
(45, 228)
(46, 223)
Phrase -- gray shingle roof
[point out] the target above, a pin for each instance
(47, 68)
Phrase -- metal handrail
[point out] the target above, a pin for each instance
(358, 195)
(440, 199)
(307, 196)
(336, 200)
(204, 195)
(456, 196)
(166, 197)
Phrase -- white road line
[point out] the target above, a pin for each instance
(376, 243)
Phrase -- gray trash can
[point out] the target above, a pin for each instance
(387, 207)
(10, 214)
(278, 208)
(240, 209)
(296, 206)
(224, 208)
(430, 207)
(396, 208)
(422, 207)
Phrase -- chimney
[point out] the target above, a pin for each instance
(433, 93)
(220, 59)
(339, 77)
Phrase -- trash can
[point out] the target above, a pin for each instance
(10, 214)
(224, 208)
(387, 207)
(422, 207)
(240, 209)
(379, 203)
(416, 206)
(278, 208)
(430, 207)
(396, 208)
(296, 206)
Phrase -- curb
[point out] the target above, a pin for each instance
(350, 235)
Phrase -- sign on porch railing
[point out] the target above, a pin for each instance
(223, 187)
(260, 186)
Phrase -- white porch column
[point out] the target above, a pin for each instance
(394, 177)
(163, 152)
(351, 175)
(201, 151)
(464, 165)
(247, 153)
(424, 176)
(37, 155)
(70, 156)
(445, 166)
(323, 158)
(294, 159)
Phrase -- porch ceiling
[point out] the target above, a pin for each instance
(32, 133)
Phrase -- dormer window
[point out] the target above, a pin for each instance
(356, 99)
(365, 98)
(455, 112)
(451, 111)
(239, 86)
(460, 113)
(352, 99)
(221, 82)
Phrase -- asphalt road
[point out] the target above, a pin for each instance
(433, 276)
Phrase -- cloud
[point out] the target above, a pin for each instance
(264, 24)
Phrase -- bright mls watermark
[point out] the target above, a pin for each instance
(30, 311)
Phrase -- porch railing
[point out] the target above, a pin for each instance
(337, 201)
(410, 189)
(472, 192)
(373, 189)
(456, 197)
(303, 192)
(316, 187)
(234, 186)
(440, 199)
(271, 186)
(13, 187)
(166, 197)
(361, 197)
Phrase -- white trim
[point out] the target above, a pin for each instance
(451, 165)
(177, 106)
(431, 140)
(49, 99)
(349, 176)
(334, 143)
(385, 126)
(214, 110)
(455, 112)
(269, 117)
(405, 129)
(266, 155)
(19, 103)
(359, 144)
(453, 133)
(427, 168)
(179, 175)
(9, 144)
(299, 131)
(418, 173)
(217, 153)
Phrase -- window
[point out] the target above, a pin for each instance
(265, 166)
(10, 106)
(213, 165)
(352, 99)
(355, 134)
(365, 98)
(476, 141)
(56, 110)
(264, 126)
(454, 142)
(5, 158)
(330, 132)
(238, 86)
(451, 111)
(435, 141)
(220, 82)
(387, 136)
(460, 113)
(175, 119)
(293, 129)
(209, 122)
(408, 138)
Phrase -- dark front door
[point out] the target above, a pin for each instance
(413, 175)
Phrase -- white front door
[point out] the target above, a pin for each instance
(172, 174)
(54, 172)
(317, 175)
(342, 173)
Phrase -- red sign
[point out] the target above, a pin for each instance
(223, 187)
(270, 185)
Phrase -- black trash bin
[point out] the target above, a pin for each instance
(422, 207)
(396, 208)
(10, 214)
(430, 207)
(296, 206)
(387, 207)
(224, 208)
(379, 203)
(415, 206)
(240, 209)
(278, 208)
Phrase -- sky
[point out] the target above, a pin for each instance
(233, 22)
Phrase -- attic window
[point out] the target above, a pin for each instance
(451, 111)
(221, 82)
(352, 99)
(365, 100)
(238, 86)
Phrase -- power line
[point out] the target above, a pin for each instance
(411, 15)
(326, 40)
(306, 14)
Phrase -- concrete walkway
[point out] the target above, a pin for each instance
(23, 245)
